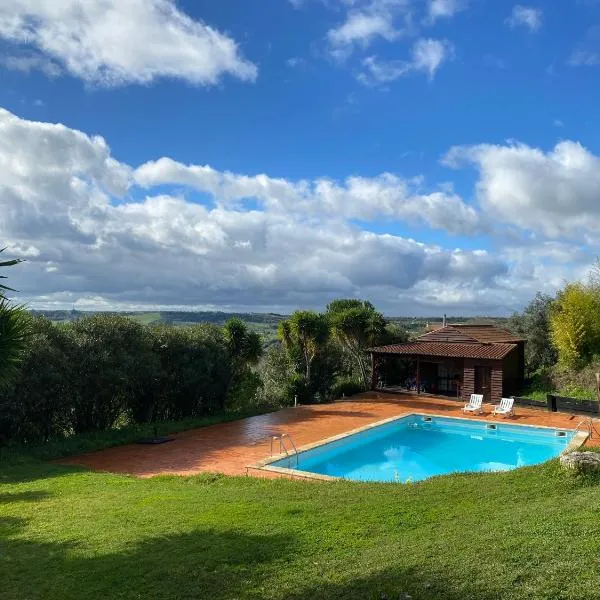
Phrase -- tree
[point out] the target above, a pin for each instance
(533, 324)
(14, 330)
(244, 346)
(574, 324)
(357, 326)
(308, 331)
(245, 350)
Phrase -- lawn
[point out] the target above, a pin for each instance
(69, 533)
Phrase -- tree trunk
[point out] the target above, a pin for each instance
(363, 372)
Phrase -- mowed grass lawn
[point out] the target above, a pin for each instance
(68, 533)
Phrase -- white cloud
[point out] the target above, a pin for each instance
(116, 42)
(554, 193)
(586, 58)
(525, 16)
(362, 27)
(427, 56)
(66, 208)
(295, 61)
(31, 62)
(367, 21)
(439, 9)
(383, 197)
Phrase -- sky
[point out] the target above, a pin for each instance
(432, 156)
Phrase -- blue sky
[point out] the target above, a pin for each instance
(432, 155)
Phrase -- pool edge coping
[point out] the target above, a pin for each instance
(266, 464)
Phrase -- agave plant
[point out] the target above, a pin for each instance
(7, 263)
(14, 330)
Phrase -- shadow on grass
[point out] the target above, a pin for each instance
(25, 471)
(31, 496)
(396, 584)
(211, 564)
(205, 564)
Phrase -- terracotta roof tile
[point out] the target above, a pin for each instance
(488, 333)
(448, 349)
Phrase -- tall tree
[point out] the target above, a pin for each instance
(356, 325)
(14, 330)
(308, 331)
(244, 345)
(533, 324)
(244, 348)
(574, 324)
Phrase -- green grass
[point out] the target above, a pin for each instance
(67, 533)
(577, 393)
(146, 318)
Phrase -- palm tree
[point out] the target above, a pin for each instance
(14, 330)
(7, 263)
(308, 331)
(244, 347)
(356, 325)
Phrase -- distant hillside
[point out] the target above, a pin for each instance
(263, 323)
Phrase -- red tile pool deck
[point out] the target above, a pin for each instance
(231, 447)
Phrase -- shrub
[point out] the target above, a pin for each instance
(297, 386)
(111, 361)
(346, 387)
(35, 407)
(106, 371)
(193, 373)
(275, 370)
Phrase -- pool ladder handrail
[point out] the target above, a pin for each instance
(589, 423)
(282, 446)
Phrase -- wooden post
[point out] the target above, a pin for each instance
(418, 377)
(373, 372)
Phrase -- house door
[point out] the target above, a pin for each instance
(483, 382)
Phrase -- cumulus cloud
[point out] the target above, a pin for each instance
(116, 42)
(554, 193)
(383, 197)
(525, 16)
(31, 62)
(439, 9)
(427, 56)
(67, 207)
(368, 21)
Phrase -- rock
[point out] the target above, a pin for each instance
(581, 461)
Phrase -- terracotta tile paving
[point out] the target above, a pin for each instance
(230, 447)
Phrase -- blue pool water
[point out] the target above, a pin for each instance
(413, 448)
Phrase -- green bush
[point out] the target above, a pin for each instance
(36, 407)
(297, 387)
(107, 371)
(346, 387)
(275, 370)
(563, 381)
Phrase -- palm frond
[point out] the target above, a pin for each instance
(7, 263)
(14, 332)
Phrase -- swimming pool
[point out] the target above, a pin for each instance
(416, 447)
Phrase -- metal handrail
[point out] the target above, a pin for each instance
(589, 422)
(282, 445)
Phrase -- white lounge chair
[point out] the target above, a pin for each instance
(474, 404)
(505, 407)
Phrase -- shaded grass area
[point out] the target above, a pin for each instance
(127, 434)
(540, 394)
(68, 533)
